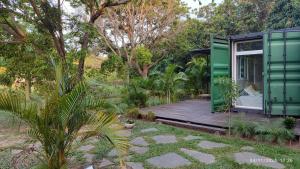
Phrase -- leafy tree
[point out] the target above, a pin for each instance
(229, 92)
(192, 35)
(143, 59)
(285, 14)
(57, 122)
(137, 23)
(46, 16)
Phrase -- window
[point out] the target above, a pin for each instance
(243, 68)
(249, 45)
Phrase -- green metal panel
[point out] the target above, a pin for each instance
(282, 73)
(220, 67)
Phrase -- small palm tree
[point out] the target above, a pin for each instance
(169, 81)
(59, 120)
(197, 73)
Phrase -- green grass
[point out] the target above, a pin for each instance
(224, 156)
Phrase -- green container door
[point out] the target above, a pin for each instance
(282, 73)
(220, 67)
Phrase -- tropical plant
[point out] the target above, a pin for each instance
(137, 96)
(273, 132)
(198, 75)
(229, 93)
(133, 113)
(289, 122)
(243, 128)
(170, 81)
(150, 116)
(58, 121)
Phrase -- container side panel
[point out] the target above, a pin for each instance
(220, 67)
(282, 73)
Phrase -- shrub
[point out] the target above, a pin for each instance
(137, 96)
(273, 132)
(133, 113)
(150, 116)
(289, 123)
(243, 128)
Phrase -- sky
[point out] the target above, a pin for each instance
(195, 4)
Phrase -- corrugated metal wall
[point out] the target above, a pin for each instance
(220, 67)
(282, 73)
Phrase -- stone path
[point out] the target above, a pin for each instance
(139, 141)
(89, 157)
(191, 137)
(202, 157)
(105, 163)
(164, 139)
(247, 148)
(149, 130)
(139, 150)
(169, 160)
(133, 165)
(113, 153)
(86, 148)
(124, 133)
(255, 159)
(211, 145)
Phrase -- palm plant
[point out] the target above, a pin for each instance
(61, 119)
(169, 82)
(197, 73)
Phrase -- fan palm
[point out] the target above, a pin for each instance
(60, 120)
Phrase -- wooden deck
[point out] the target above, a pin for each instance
(199, 112)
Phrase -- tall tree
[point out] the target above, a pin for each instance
(285, 14)
(93, 9)
(48, 17)
(139, 22)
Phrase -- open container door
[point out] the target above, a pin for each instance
(220, 67)
(282, 72)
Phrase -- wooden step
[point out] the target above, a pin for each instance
(193, 126)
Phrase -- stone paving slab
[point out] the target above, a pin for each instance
(139, 141)
(255, 159)
(202, 157)
(247, 148)
(105, 163)
(211, 145)
(89, 157)
(113, 153)
(139, 150)
(169, 160)
(86, 148)
(134, 165)
(124, 133)
(164, 139)
(149, 130)
(191, 137)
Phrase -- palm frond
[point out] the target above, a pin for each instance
(106, 126)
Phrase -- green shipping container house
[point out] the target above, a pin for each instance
(266, 67)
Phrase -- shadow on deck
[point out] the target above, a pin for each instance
(193, 113)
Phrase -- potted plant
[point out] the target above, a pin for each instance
(129, 124)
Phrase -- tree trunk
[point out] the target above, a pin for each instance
(84, 46)
(27, 88)
(145, 71)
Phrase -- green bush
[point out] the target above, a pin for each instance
(136, 96)
(273, 132)
(133, 113)
(289, 123)
(150, 116)
(243, 128)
